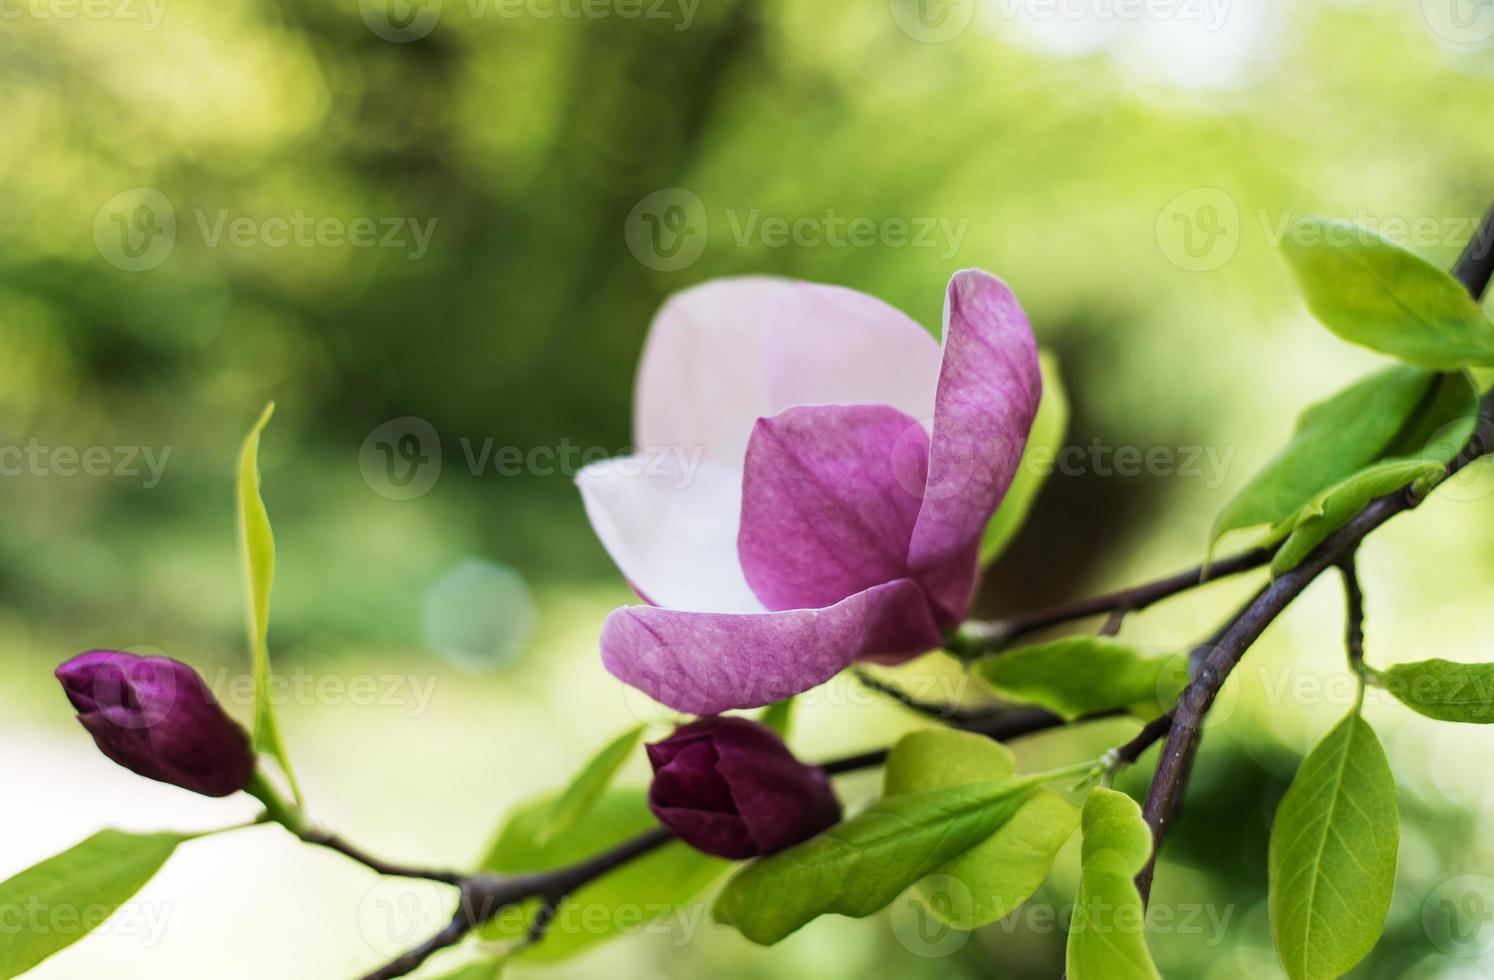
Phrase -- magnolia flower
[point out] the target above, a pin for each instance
(730, 787)
(813, 479)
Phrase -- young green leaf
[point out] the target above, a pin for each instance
(1370, 291)
(1334, 439)
(592, 781)
(642, 891)
(1443, 424)
(1338, 505)
(1078, 675)
(1004, 870)
(1044, 442)
(1332, 855)
(1107, 937)
(1443, 690)
(484, 970)
(257, 550)
(861, 865)
(77, 890)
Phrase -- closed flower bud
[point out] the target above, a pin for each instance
(157, 718)
(730, 787)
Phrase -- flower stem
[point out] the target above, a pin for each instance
(277, 808)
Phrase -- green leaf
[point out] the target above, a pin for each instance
(72, 893)
(1044, 442)
(1334, 439)
(485, 970)
(861, 865)
(1338, 505)
(1332, 855)
(1443, 690)
(626, 900)
(1004, 870)
(592, 782)
(257, 550)
(1370, 291)
(1443, 424)
(779, 716)
(1078, 675)
(1107, 937)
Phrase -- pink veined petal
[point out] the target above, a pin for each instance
(989, 388)
(706, 663)
(725, 353)
(670, 524)
(829, 497)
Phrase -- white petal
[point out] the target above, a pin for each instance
(670, 523)
(728, 352)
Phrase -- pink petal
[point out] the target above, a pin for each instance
(989, 388)
(670, 524)
(728, 352)
(829, 498)
(705, 663)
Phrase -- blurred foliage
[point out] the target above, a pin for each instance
(1074, 153)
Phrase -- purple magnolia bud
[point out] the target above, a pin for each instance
(156, 717)
(730, 787)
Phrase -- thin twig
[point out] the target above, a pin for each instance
(1149, 735)
(977, 639)
(1353, 613)
(933, 709)
(333, 842)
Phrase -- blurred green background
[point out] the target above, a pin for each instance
(1127, 172)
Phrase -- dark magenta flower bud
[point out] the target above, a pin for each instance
(730, 787)
(156, 717)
